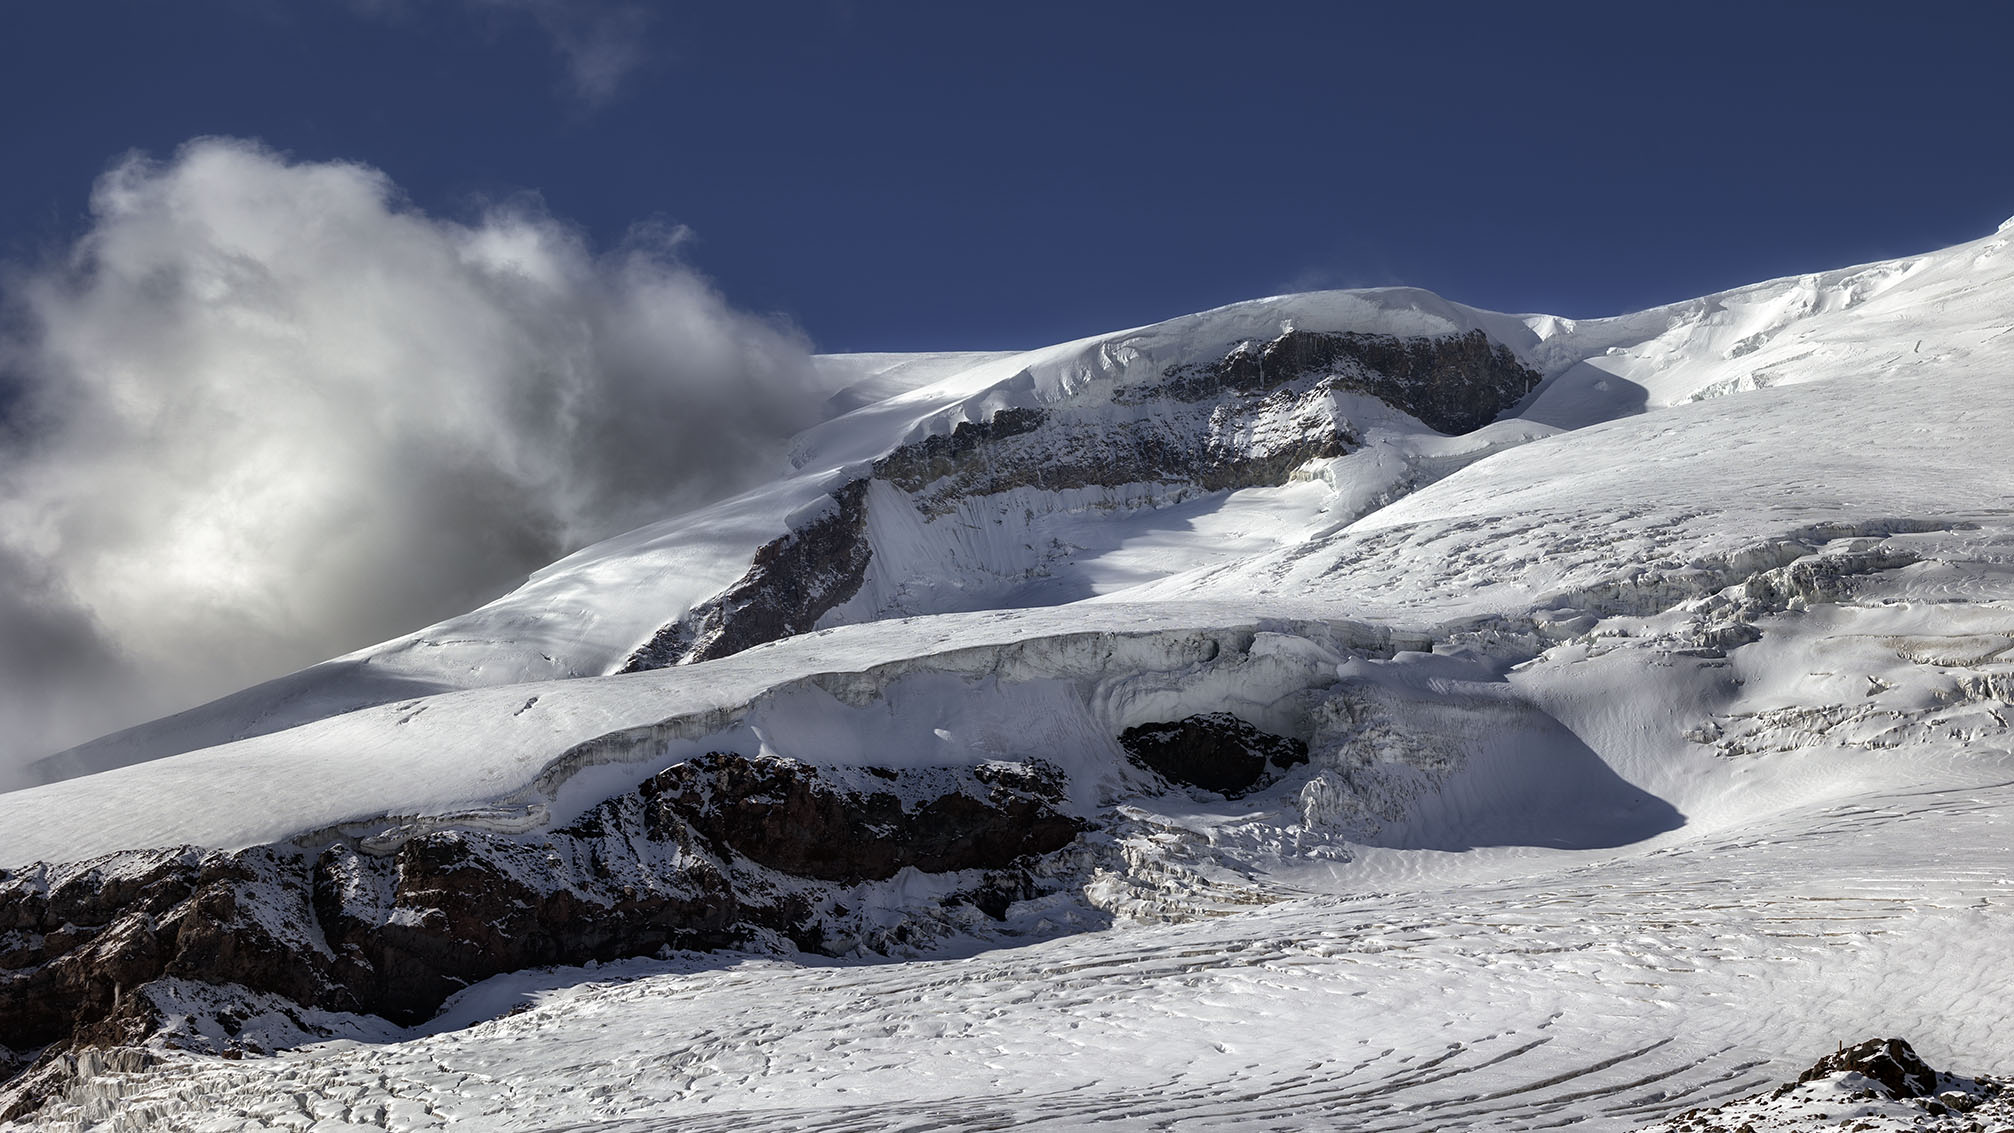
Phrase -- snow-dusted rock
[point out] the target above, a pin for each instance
(1874, 1086)
(713, 852)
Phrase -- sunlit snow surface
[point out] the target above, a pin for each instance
(1509, 992)
(1673, 865)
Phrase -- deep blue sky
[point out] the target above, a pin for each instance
(896, 175)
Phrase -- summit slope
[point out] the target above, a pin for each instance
(590, 613)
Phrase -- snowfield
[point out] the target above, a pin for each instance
(1509, 993)
(1657, 737)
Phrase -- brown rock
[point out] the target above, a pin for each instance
(709, 853)
(1891, 1062)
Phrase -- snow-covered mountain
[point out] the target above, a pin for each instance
(1354, 707)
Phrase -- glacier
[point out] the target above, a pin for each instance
(1653, 675)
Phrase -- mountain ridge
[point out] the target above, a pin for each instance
(1587, 375)
(1704, 590)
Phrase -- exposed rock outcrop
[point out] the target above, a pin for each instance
(1454, 383)
(1251, 418)
(915, 466)
(1215, 751)
(715, 852)
(1891, 1062)
(1872, 1086)
(788, 817)
(1220, 451)
(792, 581)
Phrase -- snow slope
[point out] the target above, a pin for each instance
(1600, 991)
(1658, 740)
(585, 615)
(1648, 512)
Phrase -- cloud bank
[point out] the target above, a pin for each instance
(266, 412)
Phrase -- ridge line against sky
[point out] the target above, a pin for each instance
(322, 320)
(904, 176)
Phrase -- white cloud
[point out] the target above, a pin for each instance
(271, 413)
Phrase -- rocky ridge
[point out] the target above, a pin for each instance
(1870, 1087)
(714, 852)
(1249, 418)
(358, 930)
(1453, 383)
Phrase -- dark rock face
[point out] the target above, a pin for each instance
(1066, 448)
(1916, 1097)
(1215, 751)
(75, 951)
(715, 852)
(1248, 419)
(1891, 1062)
(783, 815)
(1083, 450)
(1453, 383)
(914, 467)
(792, 581)
(81, 944)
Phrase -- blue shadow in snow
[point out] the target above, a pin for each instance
(1538, 786)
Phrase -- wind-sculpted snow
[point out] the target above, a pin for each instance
(1603, 763)
(1939, 314)
(1662, 505)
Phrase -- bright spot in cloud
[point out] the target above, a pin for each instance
(269, 412)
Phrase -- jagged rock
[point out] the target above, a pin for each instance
(914, 466)
(792, 581)
(1080, 448)
(1880, 1084)
(709, 853)
(1891, 1062)
(84, 939)
(1453, 383)
(1273, 413)
(1215, 751)
(787, 816)
(451, 907)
